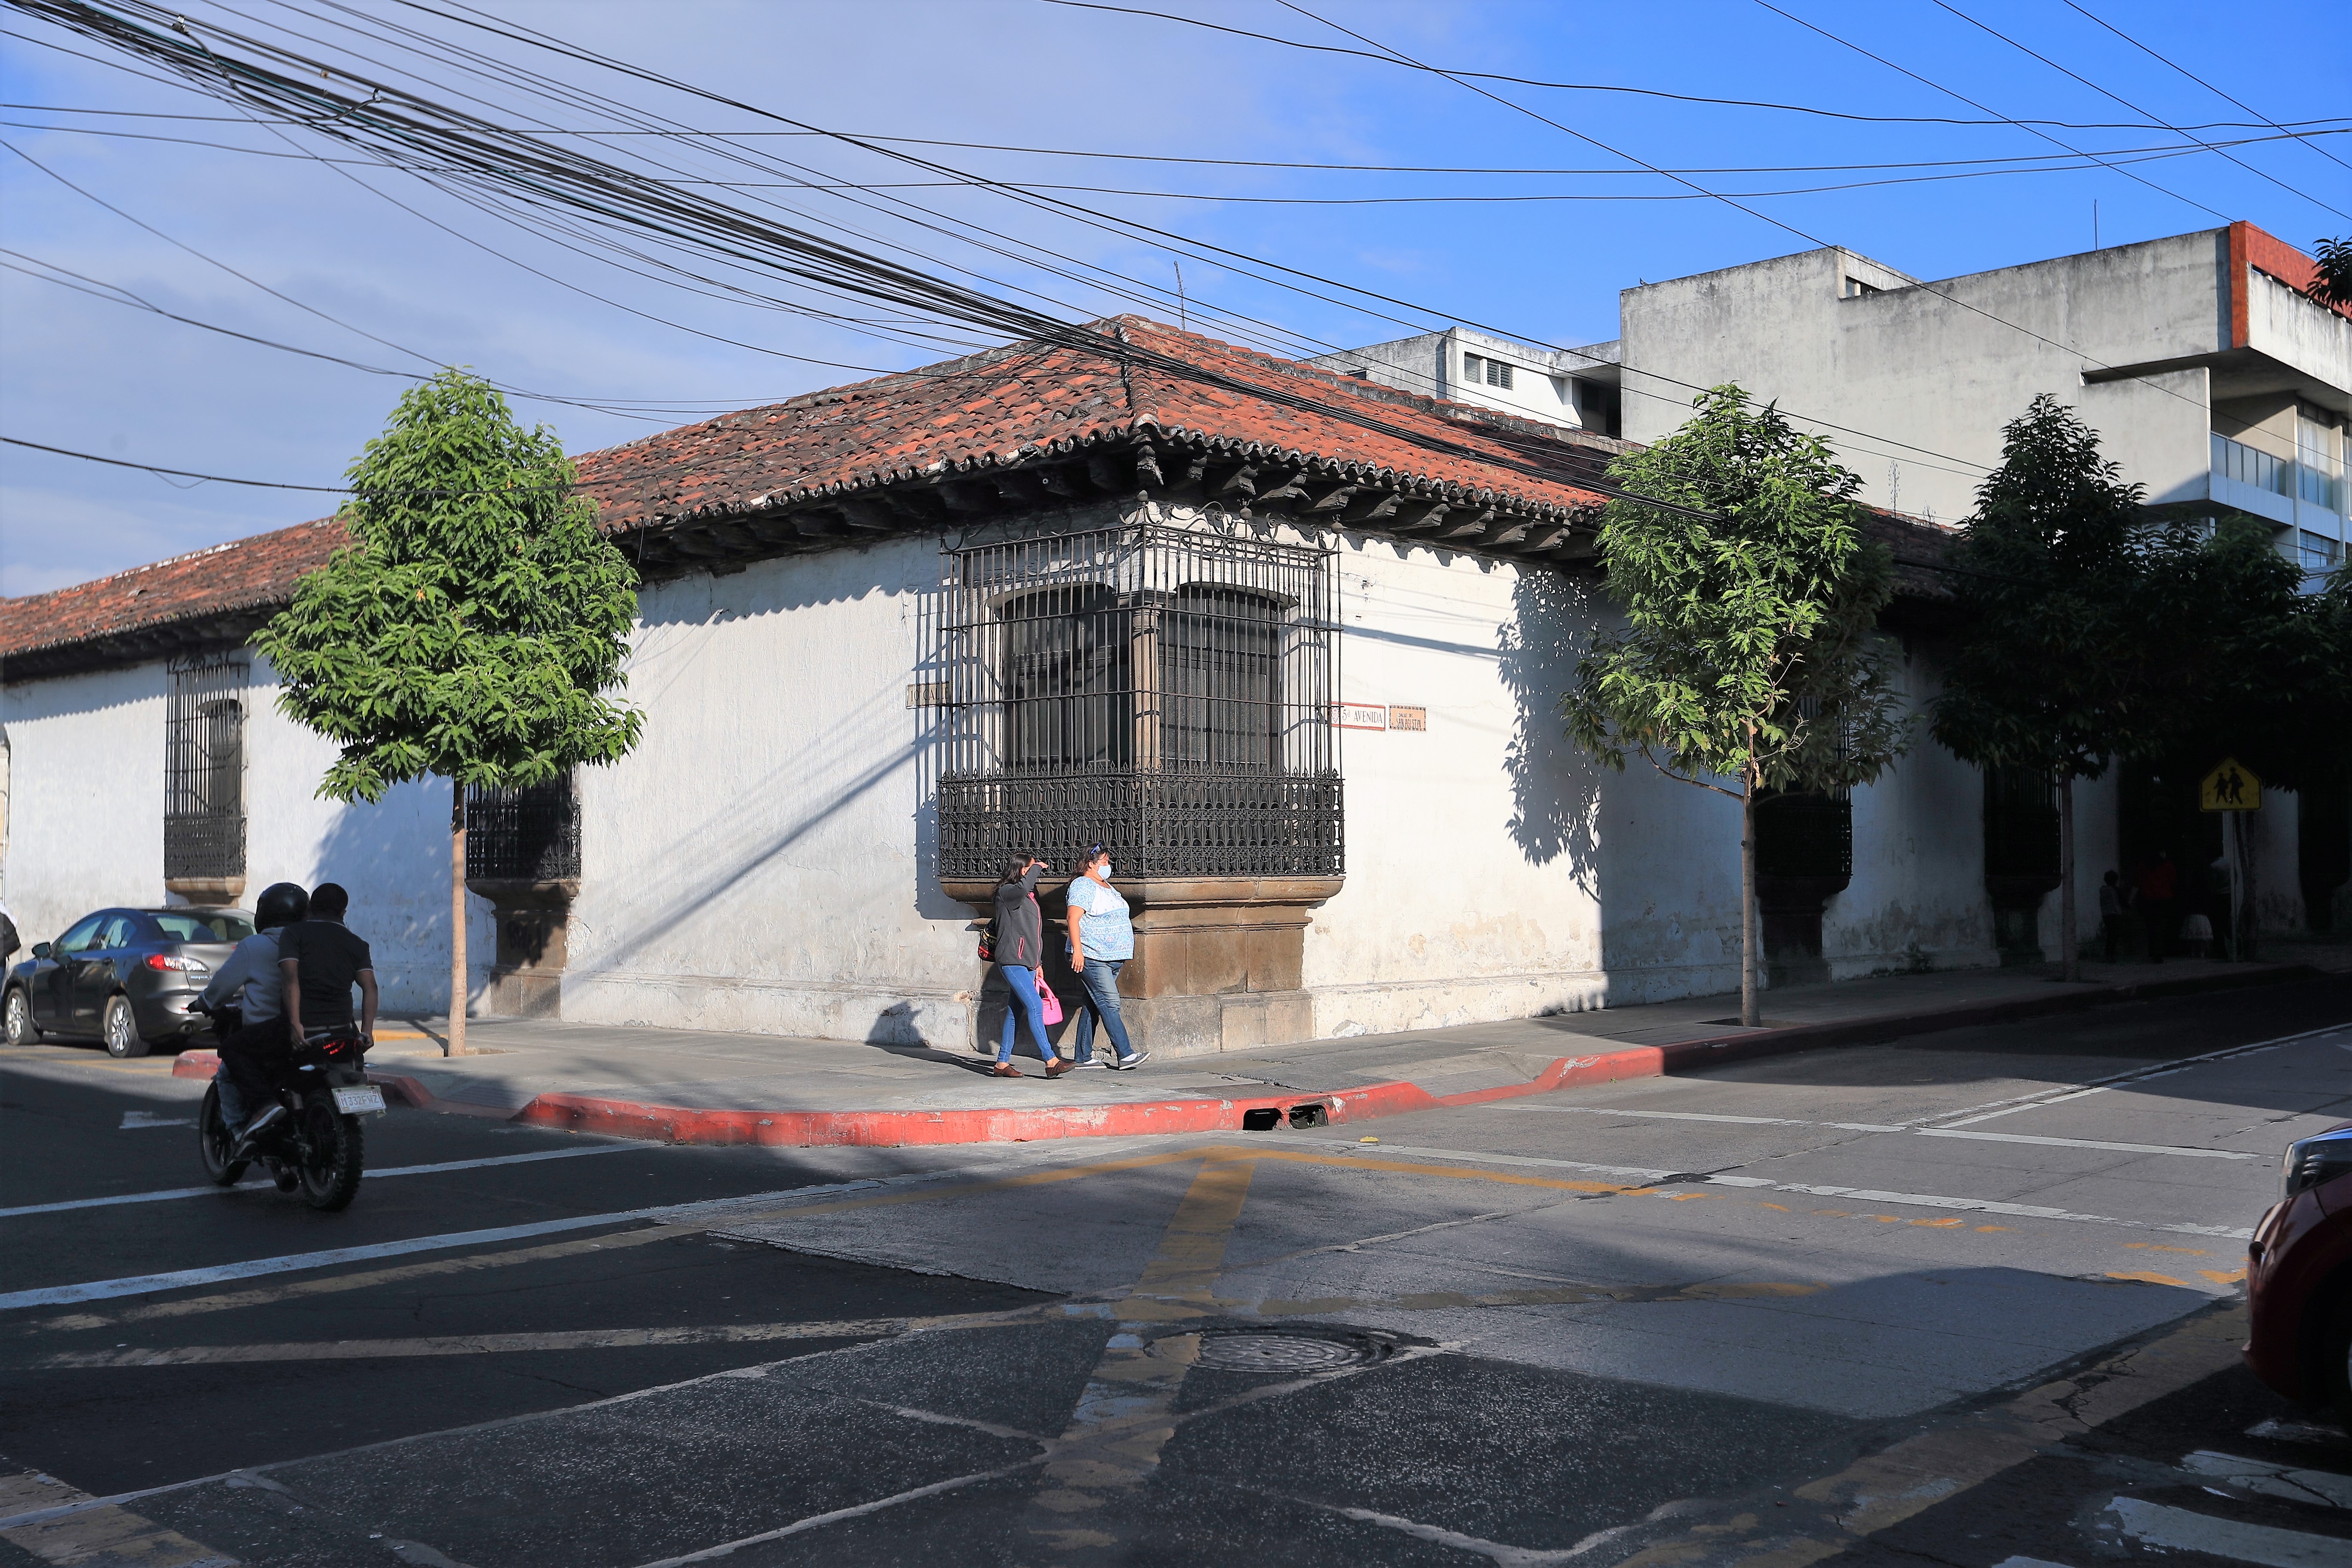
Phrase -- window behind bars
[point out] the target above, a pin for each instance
(529, 834)
(1164, 690)
(204, 769)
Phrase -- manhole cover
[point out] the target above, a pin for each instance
(1248, 1352)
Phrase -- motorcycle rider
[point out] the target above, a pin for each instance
(321, 959)
(251, 977)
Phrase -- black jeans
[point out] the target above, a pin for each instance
(251, 1062)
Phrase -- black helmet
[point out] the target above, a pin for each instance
(281, 904)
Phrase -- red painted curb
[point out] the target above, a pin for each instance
(1013, 1124)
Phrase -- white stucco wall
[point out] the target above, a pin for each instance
(88, 753)
(763, 862)
(1944, 365)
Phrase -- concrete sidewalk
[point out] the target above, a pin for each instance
(689, 1087)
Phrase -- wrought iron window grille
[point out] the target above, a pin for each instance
(203, 768)
(1164, 688)
(529, 834)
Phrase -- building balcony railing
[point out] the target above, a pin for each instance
(1184, 825)
(2309, 495)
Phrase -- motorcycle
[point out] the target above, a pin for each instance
(315, 1142)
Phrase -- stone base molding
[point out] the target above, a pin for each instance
(1217, 967)
(535, 923)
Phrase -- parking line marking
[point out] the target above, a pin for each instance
(1978, 1205)
(2090, 1143)
(170, 1193)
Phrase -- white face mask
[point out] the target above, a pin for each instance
(1105, 870)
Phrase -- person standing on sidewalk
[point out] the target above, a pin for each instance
(1018, 950)
(2111, 914)
(1102, 939)
(2158, 887)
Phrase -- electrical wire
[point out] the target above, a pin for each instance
(2044, 163)
(1128, 227)
(1393, 58)
(277, 484)
(2201, 81)
(2094, 87)
(1948, 92)
(718, 229)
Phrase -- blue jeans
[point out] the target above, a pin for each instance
(1100, 977)
(1025, 1001)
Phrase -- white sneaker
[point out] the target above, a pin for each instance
(1094, 1062)
(1128, 1064)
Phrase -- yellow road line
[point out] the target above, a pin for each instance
(1112, 1443)
(95, 1537)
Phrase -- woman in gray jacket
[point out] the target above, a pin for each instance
(1020, 951)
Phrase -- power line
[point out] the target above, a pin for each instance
(277, 484)
(2127, 103)
(2201, 81)
(1392, 59)
(454, 138)
(2288, 131)
(1128, 227)
(1949, 93)
(2044, 165)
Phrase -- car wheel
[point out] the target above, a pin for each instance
(120, 1029)
(2334, 1384)
(22, 1030)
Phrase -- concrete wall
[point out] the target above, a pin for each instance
(88, 771)
(2287, 327)
(1939, 366)
(763, 860)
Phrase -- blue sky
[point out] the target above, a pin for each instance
(95, 376)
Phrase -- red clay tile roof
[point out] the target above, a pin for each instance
(253, 575)
(1031, 401)
(996, 409)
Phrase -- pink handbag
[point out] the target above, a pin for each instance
(1049, 1003)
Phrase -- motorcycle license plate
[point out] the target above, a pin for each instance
(357, 1101)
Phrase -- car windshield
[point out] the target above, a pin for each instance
(180, 926)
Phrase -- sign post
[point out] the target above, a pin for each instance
(2235, 790)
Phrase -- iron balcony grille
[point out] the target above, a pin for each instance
(1164, 690)
(526, 835)
(203, 768)
(204, 844)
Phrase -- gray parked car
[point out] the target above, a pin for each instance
(124, 976)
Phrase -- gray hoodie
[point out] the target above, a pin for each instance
(252, 969)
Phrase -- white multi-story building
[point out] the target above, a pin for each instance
(1573, 387)
(2208, 374)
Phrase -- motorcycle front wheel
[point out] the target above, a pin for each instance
(331, 1162)
(213, 1141)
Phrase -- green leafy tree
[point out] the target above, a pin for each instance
(2332, 284)
(472, 629)
(2242, 662)
(2049, 676)
(1750, 658)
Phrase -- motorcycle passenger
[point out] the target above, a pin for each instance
(321, 959)
(250, 981)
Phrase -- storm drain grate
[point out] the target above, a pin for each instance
(1278, 1351)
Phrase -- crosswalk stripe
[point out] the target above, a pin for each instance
(2262, 1545)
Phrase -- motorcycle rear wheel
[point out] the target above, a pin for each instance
(331, 1165)
(213, 1141)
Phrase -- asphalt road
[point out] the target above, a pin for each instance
(1954, 1300)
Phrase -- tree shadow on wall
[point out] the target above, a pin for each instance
(1555, 787)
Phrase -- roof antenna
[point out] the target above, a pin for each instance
(1182, 324)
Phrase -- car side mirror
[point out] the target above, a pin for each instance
(40, 949)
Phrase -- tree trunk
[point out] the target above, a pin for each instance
(1751, 1013)
(2070, 968)
(2246, 919)
(455, 1044)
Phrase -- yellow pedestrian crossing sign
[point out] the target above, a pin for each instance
(2230, 788)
